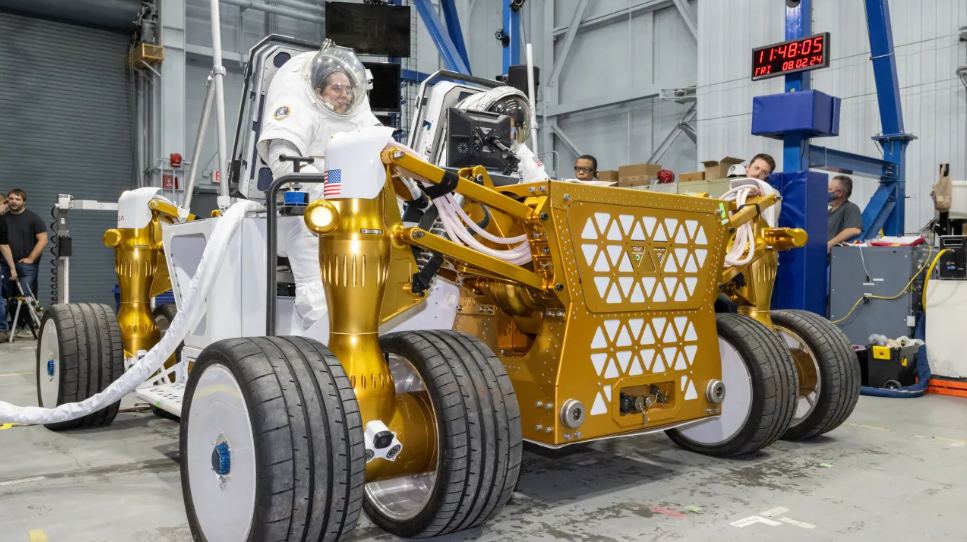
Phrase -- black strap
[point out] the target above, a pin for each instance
(415, 209)
(422, 279)
(429, 218)
(446, 186)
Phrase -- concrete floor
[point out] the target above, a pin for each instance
(894, 471)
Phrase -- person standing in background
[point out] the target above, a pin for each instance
(586, 167)
(761, 166)
(8, 265)
(27, 235)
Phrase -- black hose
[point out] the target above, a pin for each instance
(53, 255)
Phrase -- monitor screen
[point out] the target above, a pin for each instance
(369, 29)
(475, 138)
(385, 94)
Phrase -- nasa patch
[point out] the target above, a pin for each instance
(282, 112)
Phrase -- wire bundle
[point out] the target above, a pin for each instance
(742, 248)
(456, 222)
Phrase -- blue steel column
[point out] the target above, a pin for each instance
(452, 19)
(794, 146)
(511, 55)
(448, 51)
(892, 191)
(801, 279)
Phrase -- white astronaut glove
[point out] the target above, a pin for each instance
(530, 168)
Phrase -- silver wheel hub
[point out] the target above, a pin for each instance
(807, 367)
(49, 370)
(404, 497)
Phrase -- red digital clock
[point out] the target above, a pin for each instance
(791, 56)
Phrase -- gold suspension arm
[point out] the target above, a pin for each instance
(427, 240)
(406, 165)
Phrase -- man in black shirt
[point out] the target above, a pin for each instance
(27, 235)
(7, 265)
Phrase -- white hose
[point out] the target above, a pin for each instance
(476, 227)
(460, 234)
(453, 216)
(742, 249)
(189, 314)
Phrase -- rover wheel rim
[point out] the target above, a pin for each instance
(48, 369)
(810, 385)
(404, 497)
(221, 457)
(162, 324)
(735, 408)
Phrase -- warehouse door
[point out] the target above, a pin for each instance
(66, 128)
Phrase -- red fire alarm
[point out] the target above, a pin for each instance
(175, 159)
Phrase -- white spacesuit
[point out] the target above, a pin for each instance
(507, 100)
(313, 97)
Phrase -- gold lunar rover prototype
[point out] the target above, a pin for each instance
(576, 313)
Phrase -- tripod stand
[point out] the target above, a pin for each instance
(26, 299)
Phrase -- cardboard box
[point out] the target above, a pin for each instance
(691, 176)
(719, 169)
(608, 175)
(637, 174)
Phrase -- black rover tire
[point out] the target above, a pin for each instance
(479, 436)
(79, 353)
(771, 384)
(293, 442)
(817, 344)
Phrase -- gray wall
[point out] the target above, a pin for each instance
(927, 51)
(641, 51)
(67, 129)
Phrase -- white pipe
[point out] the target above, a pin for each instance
(301, 5)
(276, 10)
(199, 139)
(218, 75)
(532, 96)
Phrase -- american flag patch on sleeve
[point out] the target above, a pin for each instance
(333, 183)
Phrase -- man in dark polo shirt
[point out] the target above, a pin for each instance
(27, 234)
(844, 221)
(7, 264)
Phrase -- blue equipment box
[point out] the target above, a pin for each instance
(810, 113)
(295, 198)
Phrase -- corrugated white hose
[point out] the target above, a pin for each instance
(744, 239)
(458, 233)
(189, 314)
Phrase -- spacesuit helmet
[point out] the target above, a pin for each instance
(504, 100)
(337, 79)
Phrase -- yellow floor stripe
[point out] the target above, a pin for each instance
(4, 426)
(36, 535)
(16, 374)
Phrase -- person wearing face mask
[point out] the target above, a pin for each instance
(844, 221)
(314, 96)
